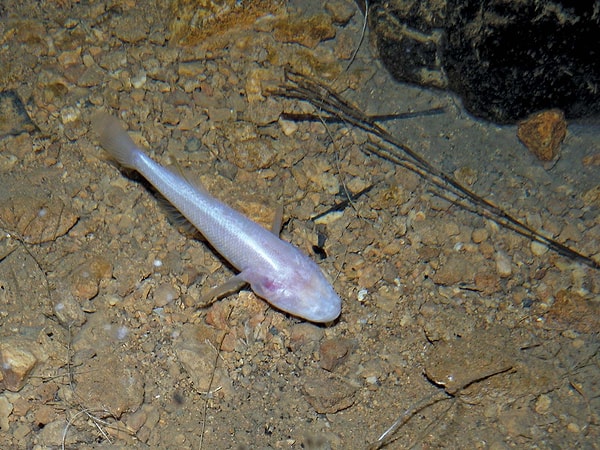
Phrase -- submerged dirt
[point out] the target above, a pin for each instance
(102, 340)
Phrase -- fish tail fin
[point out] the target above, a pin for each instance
(115, 140)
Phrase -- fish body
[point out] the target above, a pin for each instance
(276, 270)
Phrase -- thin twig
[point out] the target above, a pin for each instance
(362, 36)
(210, 382)
(387, 435)
(324, 98)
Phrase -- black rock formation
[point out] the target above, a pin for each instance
(505, 59)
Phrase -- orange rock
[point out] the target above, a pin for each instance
(307, 32)
(543, 132)
(191, 22)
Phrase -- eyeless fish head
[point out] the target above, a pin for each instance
(309, 296)
(320, 303)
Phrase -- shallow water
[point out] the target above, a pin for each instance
(434, 298)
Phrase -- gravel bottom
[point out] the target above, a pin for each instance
(469, 334)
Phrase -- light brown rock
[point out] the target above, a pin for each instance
(334, 352)
(6, 409)
(110, 385)
(329, 395)
(16, 363)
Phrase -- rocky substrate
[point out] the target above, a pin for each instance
(102, 341)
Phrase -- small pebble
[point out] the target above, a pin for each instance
(542, 405)
(69, 312)
(165, 294)
(288, 127)
(479, 235)
(537, 248)
(6, 409)
(136, 420)
(304, 335)
(371, 380)
(334, 352)
(362, 295)
(503, 264)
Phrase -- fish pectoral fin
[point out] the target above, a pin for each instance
(234, 284)
(263, 285)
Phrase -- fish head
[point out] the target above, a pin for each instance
(302, 293)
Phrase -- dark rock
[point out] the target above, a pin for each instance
(13, 115)
(505, 59)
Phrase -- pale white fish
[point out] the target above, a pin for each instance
(276, 270)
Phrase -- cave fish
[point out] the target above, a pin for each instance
(275, 270)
